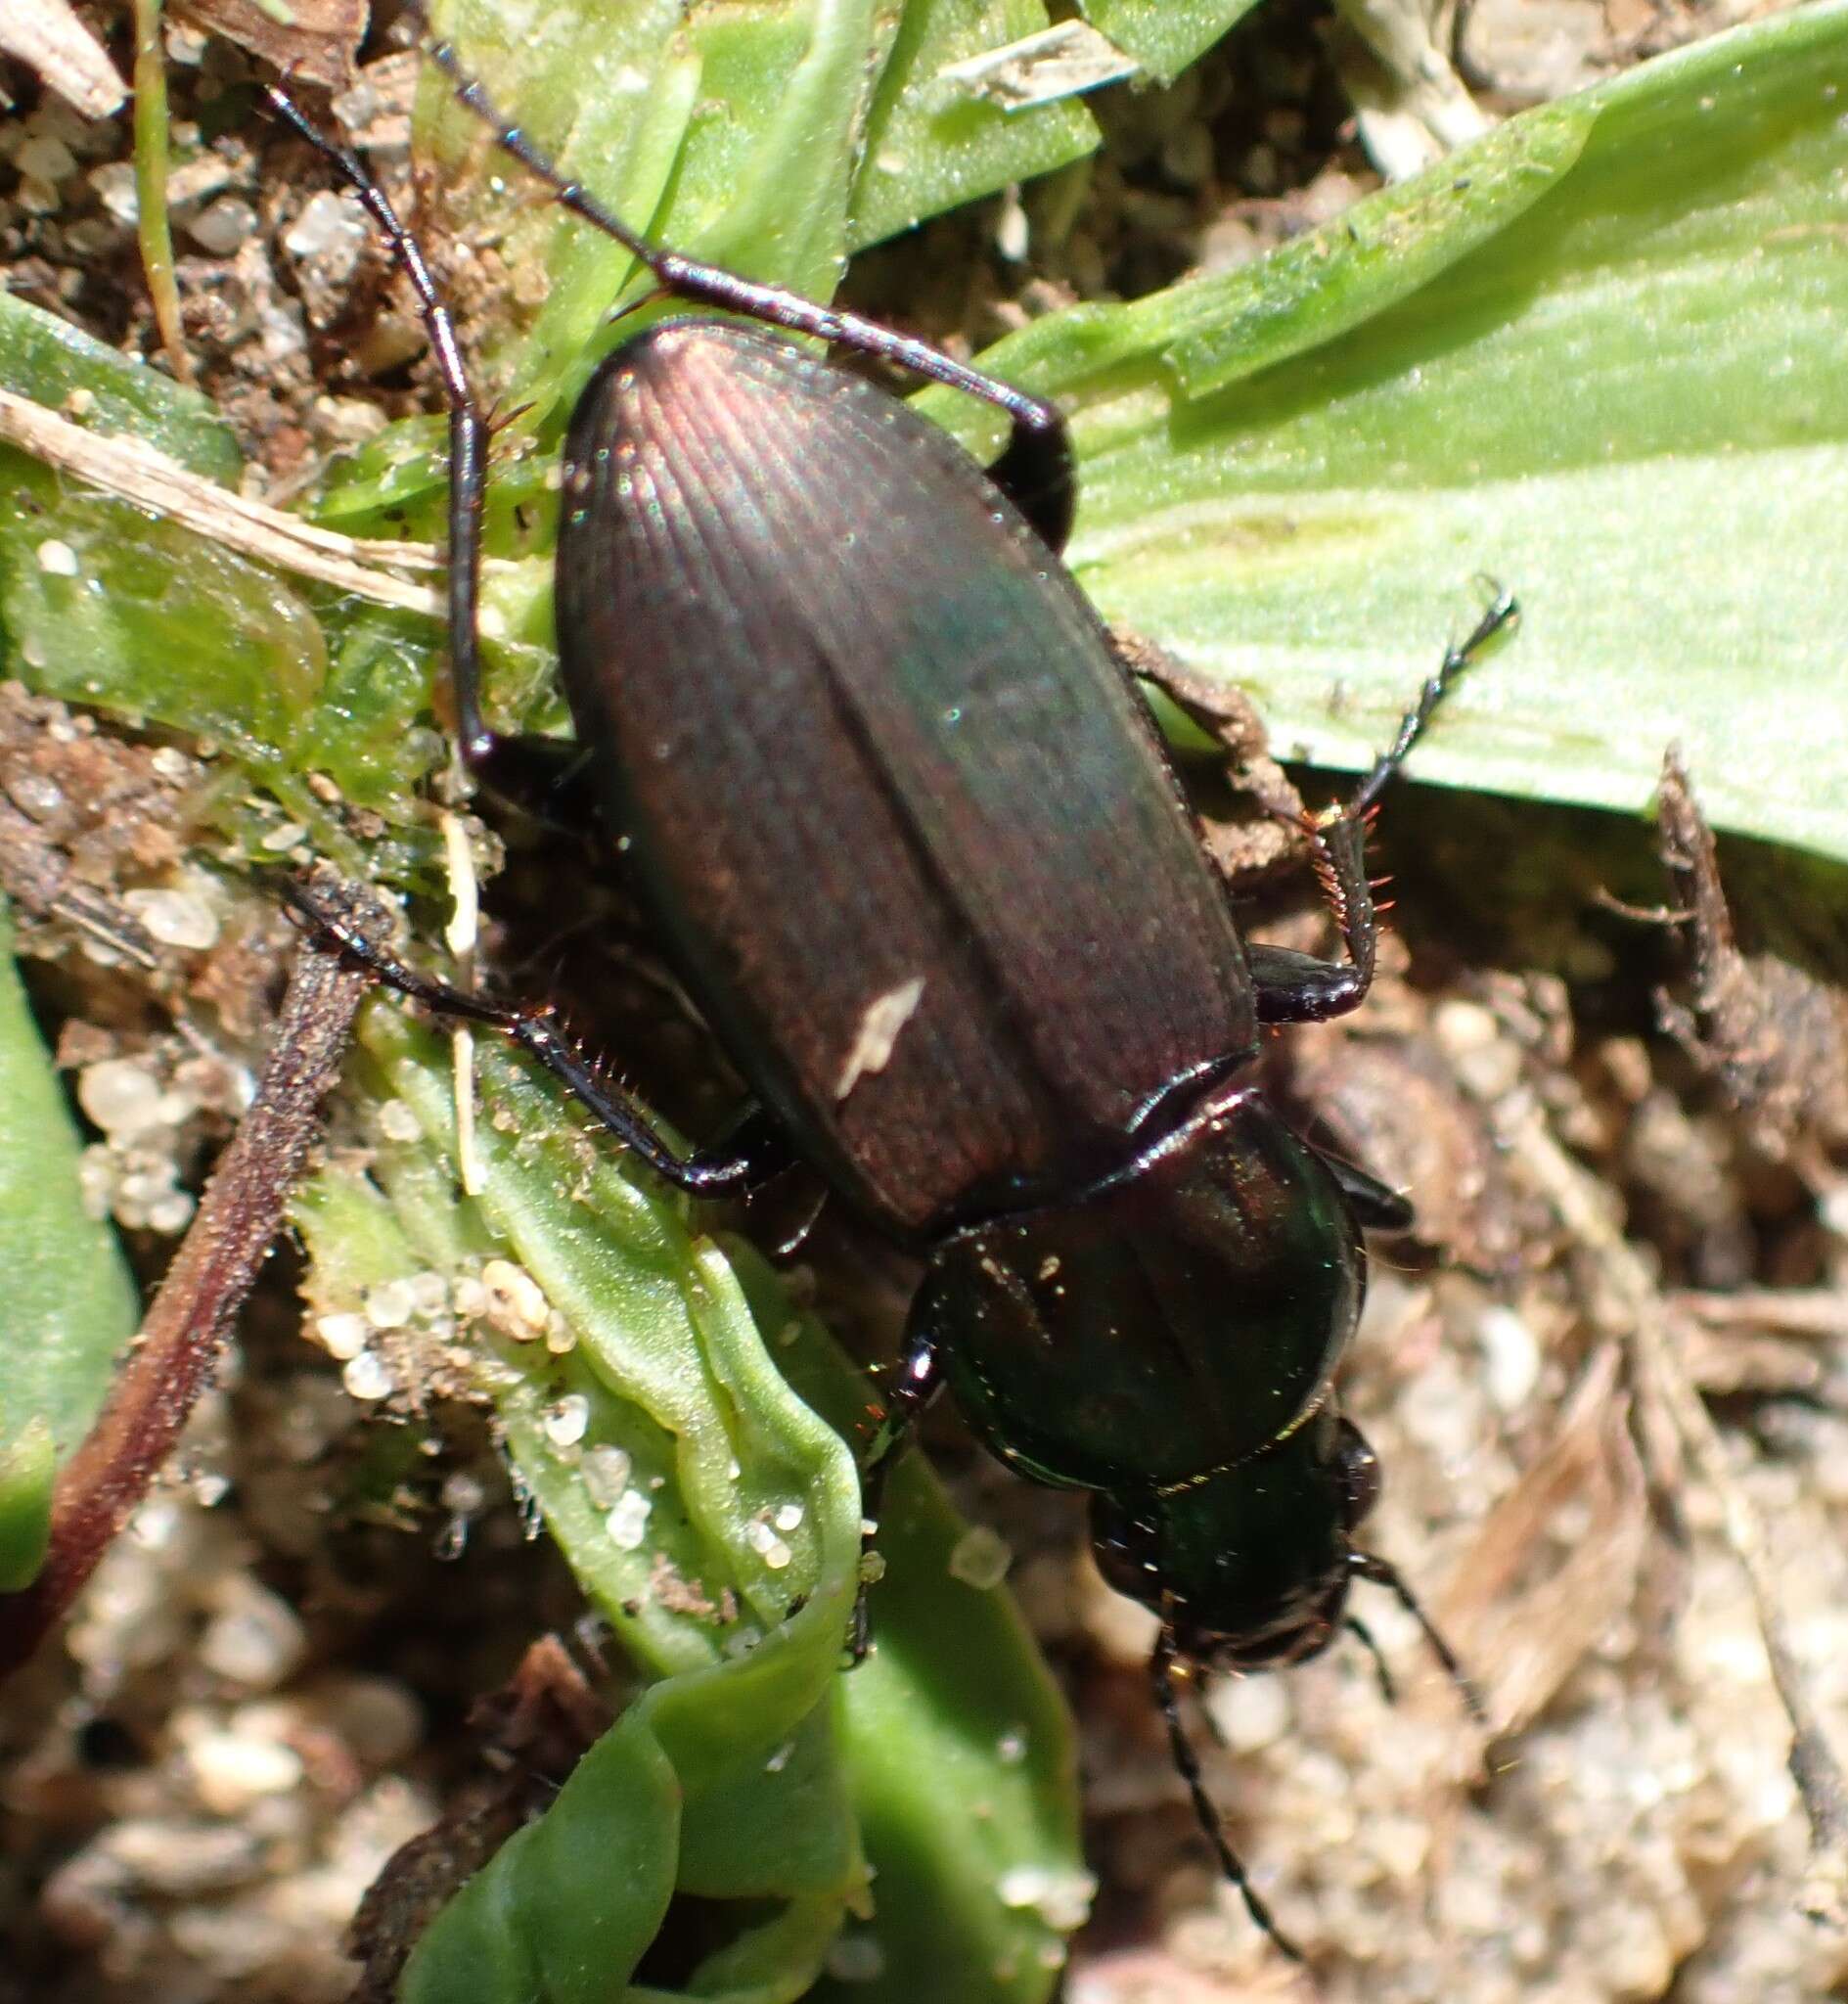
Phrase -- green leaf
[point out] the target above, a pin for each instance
(71, 1303)
(1164, 35)
(738, 1775)
(28, 1466)
(144, 597)
(1596, 356)
(930, 144)
(52, 363)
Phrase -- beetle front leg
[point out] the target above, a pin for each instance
(915, 1381)
(754, 1149)
(1376, 1206)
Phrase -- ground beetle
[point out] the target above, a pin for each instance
(916, 850)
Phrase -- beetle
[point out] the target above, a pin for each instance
(904, 821)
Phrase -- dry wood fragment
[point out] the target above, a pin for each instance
(47, 36)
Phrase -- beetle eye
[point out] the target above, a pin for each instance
(1360, 1473)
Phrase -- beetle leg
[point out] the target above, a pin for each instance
(1037, 474)
(1370, 1565)
(1377, 1206)
(548, 779)
(1382, 1670)
(1337, 848)
(1297, 987)
(915, 1381)
(467, 433)
(1035, 470)
(754, 1149)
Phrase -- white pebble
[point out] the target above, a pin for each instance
(1062, 1899)
(980, 1558)
(1510, 1357)
(343, 1337)
(114, 184)
(430, 1294)
(175, 918)
(57, 558)
(329, 224)
(397, 1122)
(1250, 1713)
(169, 1215)
(770, 1548)
(388, 1304)
(368, 1376)
(627, 1523)
(220, 229)
(515, 1303)
(182, 1858)
(33, 793)
(377, 1718)
(231, 1772)
(255, 1639)
(119, 1096)
(46, 158)
(606, 1473)
(567, 1419)
(1832, 1208)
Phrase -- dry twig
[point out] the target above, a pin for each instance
(184, 1335)
(135, 471)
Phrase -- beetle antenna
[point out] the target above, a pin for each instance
(1364, 1635)
(1186, 1765)
(1367, 1566)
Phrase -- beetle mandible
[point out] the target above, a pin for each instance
(912, 843)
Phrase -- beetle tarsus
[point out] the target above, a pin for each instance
(1294, 987)
(1501, 612)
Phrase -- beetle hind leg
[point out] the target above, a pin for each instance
(1035, 469)
(754, 1149)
